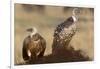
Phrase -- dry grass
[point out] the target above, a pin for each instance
(46, 23)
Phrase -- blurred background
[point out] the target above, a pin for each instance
(45, 19)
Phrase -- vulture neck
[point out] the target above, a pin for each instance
(74, 18)
(33, 33)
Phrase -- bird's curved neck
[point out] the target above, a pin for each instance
(74, 18)
(33, 33)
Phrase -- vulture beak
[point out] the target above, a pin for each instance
(29, 29)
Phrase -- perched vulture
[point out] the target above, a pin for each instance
(33, 46)
(64, 32)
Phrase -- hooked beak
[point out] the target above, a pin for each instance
(29, 30)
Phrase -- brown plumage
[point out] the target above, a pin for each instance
(33, 47)
(64, 33)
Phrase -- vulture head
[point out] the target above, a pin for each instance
(76, 13)
(32, 31)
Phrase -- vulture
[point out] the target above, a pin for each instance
(34, 46)
(64, 32)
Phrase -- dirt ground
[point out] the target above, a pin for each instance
(46, 20)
